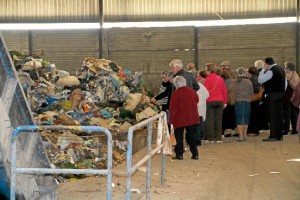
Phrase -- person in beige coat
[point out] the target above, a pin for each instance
(203, 95)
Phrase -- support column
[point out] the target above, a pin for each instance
(101, 27)
(30, 42)
(196, 47)
(297, 37)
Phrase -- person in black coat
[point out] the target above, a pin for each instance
(273, 78)
(166, 88)
(177, 68)
(254, 124)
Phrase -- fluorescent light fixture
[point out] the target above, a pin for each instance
(203, 23)
(294, 160)
(47, 26)
(60, 26)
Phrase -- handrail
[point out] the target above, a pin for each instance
(15, 170)
(130, 170)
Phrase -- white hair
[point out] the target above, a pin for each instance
(259, 64)
(177, 62)
(179, 81)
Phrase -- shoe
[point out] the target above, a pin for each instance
(199, 143)
(177, 158)
(294, 133)
(205, 142)
(270, 140)
(286, 132)
(227, 135)
(195, 157)
(252, 134)
(219, 142)
(240, 140)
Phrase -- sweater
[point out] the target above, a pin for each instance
(216, 87)
(183, 107)
(244, 90)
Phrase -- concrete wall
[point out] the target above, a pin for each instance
(151, 49)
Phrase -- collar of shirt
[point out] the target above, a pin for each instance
(272, 66)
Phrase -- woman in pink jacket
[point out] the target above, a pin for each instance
(184, 115)
(215, 103)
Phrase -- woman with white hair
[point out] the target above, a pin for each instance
(184, 115)
(244, 92)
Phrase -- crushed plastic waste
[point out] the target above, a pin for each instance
(100, 94)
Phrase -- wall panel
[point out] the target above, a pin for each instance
(242, 45)
(151, 50)
(16, 40)
(67, 49)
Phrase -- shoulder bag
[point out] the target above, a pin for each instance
(232, 94)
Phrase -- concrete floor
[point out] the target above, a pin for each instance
(251, 170)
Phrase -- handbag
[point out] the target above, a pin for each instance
(257, 96)
(172, 136)
(232, 94)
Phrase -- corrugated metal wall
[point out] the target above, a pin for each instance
(12, 11)
(151, 49)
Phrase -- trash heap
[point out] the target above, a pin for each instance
(100, 94)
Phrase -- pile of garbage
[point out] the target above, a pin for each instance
(100, 94)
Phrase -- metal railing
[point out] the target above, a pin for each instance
(130, 170)
(15, 170)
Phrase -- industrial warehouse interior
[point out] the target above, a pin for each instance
(77, 83)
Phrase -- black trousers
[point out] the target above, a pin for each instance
(275, 114)
(263, 115)
(214, 115)
(191, 138)
(254, 124)
(228, 119)
(290, 114)
(294, 117)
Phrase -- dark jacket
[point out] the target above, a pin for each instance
(165, 95)
(190, 80)
(255, 84)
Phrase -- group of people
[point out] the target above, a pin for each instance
(266, 96)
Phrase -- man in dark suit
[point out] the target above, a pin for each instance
(272, 77)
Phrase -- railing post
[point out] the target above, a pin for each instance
(131, 169)
(15, 170)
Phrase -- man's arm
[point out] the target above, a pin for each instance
(196, 86)
(264, 76)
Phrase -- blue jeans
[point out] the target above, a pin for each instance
(242, 112)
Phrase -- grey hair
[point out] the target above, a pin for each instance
(290, 66)
(170, 74)
(164, 73)
(177, 62)
(241, 72)
(179, 81)
(259, 64)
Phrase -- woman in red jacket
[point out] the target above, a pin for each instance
(184, 115)
(215, 103)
